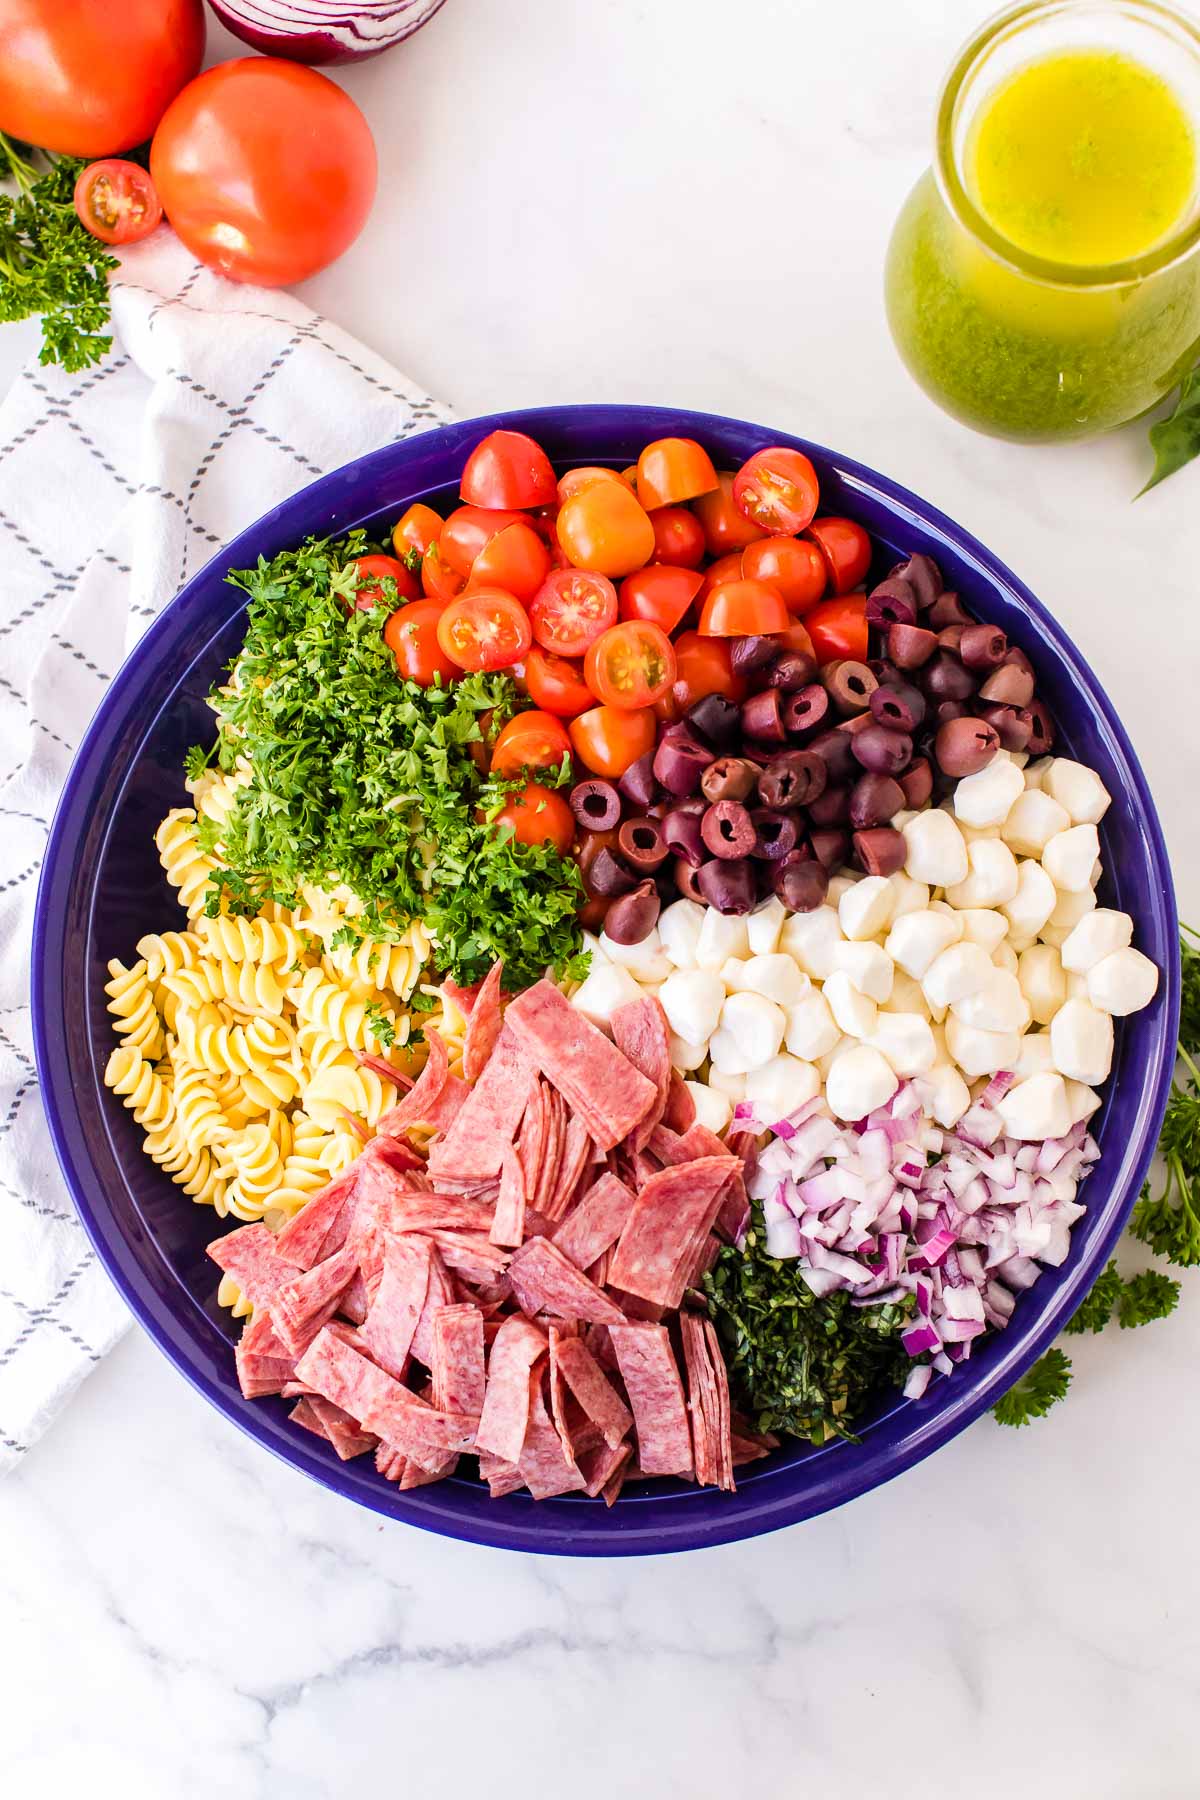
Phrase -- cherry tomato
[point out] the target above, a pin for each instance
(575, 480)
(630, 665)
(416, 529)
(116, 202)
(411, 636)
(516, 559)
(438, 579)
(556, 684)
(603, 528)
(673, 469)
(571, 608)
(678, 537)
(468, 529)
(629, 477)
(94, 80)
(797, 637)
(538, 815)
(372, 571)
(507, 469)
(484, 629)
(725, 528)
(661, 594)
(777, 489)
(838, 628)
(845, 549)
(793, 565)
(703, 665)
(743, 609)
(265, 168)
(532, 740)
(726, 568)
(608, 739)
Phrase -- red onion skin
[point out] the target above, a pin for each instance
(315, 47)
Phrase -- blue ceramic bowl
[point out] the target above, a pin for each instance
(102, 887)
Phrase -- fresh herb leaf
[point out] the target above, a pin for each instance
(1145, 1297)
(1096, 1308)
(1169, 1222)
(1038, 1390)
(345, 938)
(49, 263)
(421, 1002)
(1176, 440)
(1189, 999)
(197, 760)
(412, 560)
(382, 1027)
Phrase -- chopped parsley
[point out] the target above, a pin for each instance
(1038, 1390)
(49, 263)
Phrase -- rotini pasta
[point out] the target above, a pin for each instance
(131, 1002)
(187, 867)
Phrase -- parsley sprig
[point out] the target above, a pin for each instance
(1040, 1388)
(49, 264)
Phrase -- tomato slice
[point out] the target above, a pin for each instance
(372, 572)
(556, 684)
(508, 469)
(661, 594)
(724, 527)
(838, 628)
(793, 565)
(484, 629)
(538, 815)
(438, 579)
(117, 201)
(631, 665)
(603, 528)
(411, 634)
(704, 665)
(416, 529)
(575, 480)
(468, 530)
(744, 609)
(678, 537)
(777, 489)
(516, 559)
(607, 740)
(673, 469)
(845, 550)
(532, 740)
(570, 610)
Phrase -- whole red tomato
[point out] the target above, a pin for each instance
(89, 80)
(266, 170)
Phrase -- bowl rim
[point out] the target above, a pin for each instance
(571, 1526)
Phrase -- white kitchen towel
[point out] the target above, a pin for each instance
(216, 402)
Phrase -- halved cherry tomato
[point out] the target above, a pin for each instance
(703, 665)
(468, 529)
(516, 559)
(725, 528)
(507, 469)
(411, 636)
(845, 548)
(678, 537)
(570, 610)
(438, 579)
(673, 469)
(797, 638)
(777, 488)
(416, 529)
(372, 572)
(743, 609)
(607, 739)
(604, 528)
(793, 565)
(117, 201)
(575, 480)
(629, 477)
(556, 684)
(630, 665)
(484, 629)
(726, 568)
(660, 593)
(538, 815)
(533, 740)
(838, 628)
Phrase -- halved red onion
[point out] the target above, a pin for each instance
(324, 31)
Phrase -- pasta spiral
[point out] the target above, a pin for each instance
(187, 868)
(143, 1091)
(131, 1002)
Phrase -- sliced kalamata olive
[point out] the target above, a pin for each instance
(791, 671)
(950, 638)
(590, 845)
(746, 654)
(831, 806)
(945, 710)
(948, 609)
(893, 602)
(909, 646)
(900, 708)
(802, 886)
(922, 575)
(642, 844)
(830, 845)
(982, 646)
(717, 720)
(633, 917)
(730, 887)
(762, 717)
(946, 679)
(964, 746)
(874, 799)
(687, 882)
(834, 749)
(680, 760)
(792, 779)
(681, 834)
(806, 711)
(850, 686)
(917, 784)
(1012, 724)
(607, 875)
(1042, 732)
(1008, 686)
(727, 830)
(775, 834)
(880, 851)
(638, 783)
(880, 751)
(596, 804)
(729, 778)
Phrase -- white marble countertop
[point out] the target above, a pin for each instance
(568, 200)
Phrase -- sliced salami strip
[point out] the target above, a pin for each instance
(396, 1154)
(640, 1031)
(672, 1216)
(746, 1450)
(516, 1350)
(356, 1300)
(543, 1280)
(574, 1362)
(302, 1414)
(380, 1404)
(251, 1257)
(302, 1239)
(260, 1338)
(531, 1140)
(508, 1220)
(656, 1396)
(556, 1127)
(474, 1146)
(626, 1470)
(459, 1381)
(302, 1306)
(594, 1078)
(596, 1222)
(440, 1292)
(424, 1093)
(399, 1301)
(258, 1375)
(708, 1402)
(390, 1462)
(544, 1465)
(341, 1430)
(463, 997)
(415, 1476)
(387, 1202)
(680, 1111)
(471, 1255)
(483, 1025)
(599, 1466)
(576, 1153)
(558, 1394)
